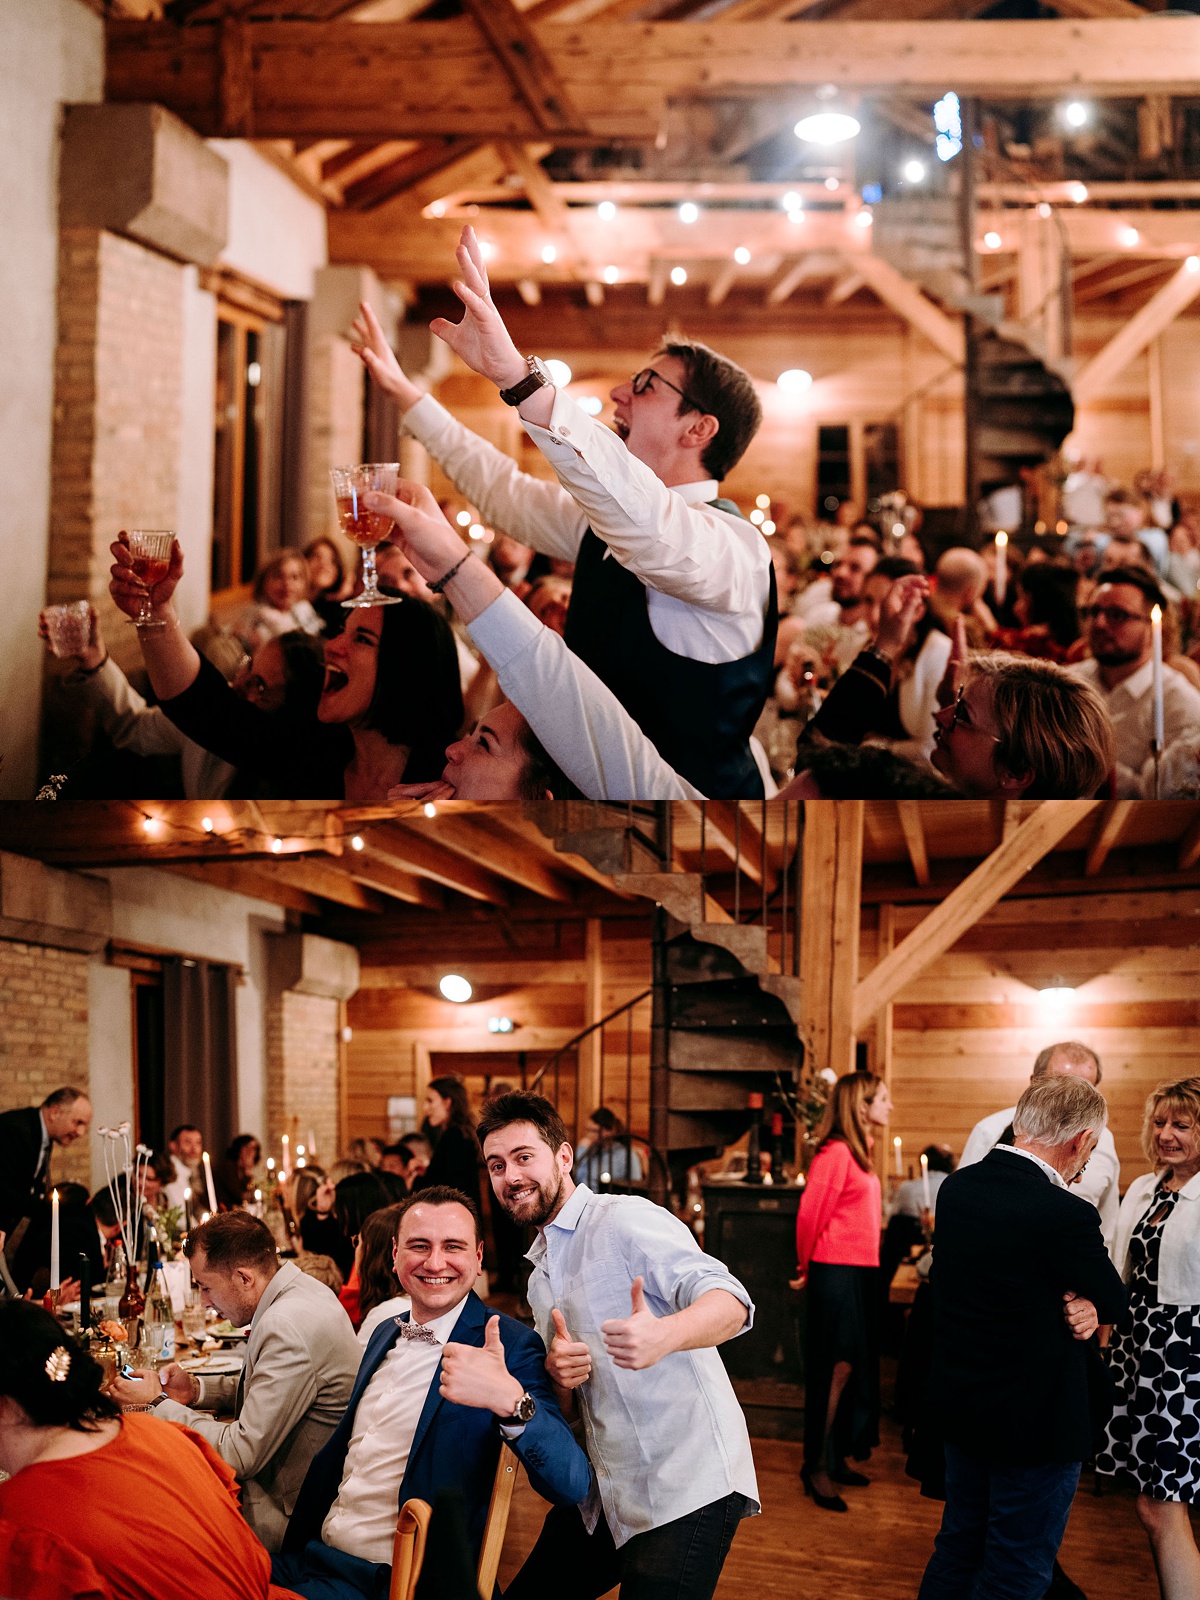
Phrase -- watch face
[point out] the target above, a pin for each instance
(526, 1406)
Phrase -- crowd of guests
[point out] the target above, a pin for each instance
(620, 631)
(1058, 1324)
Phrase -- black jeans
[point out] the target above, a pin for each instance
(682, 1560)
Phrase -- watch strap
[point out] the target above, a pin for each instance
(536, 378)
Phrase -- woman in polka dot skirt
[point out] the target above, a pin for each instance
(1154, 1435)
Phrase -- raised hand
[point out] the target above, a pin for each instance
(898, 615)
(568, 1361)
(480, 339)
(1081, 1316)
(92, 653)
(128, 591)
(638, 1340)
(955, 674)
(380, 360)
(435, 789)
(477, 1376)
(420, 529)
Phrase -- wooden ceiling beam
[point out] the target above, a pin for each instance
(1189, 847)
(481, 839)
(721, 283)
(734, 833)
(943, 332)
(248, 880)
(909, 812)
(324, 880)
(395, 883)
(1107, 365)
(407, 172)
(534, 74)
(1108, 830)
(413, 851)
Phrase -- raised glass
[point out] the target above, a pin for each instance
(366, 528)
(151, 552)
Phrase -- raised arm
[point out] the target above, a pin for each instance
(172, 661)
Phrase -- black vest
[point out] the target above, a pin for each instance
(699, 714)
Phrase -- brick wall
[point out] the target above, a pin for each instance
(302, 1072)
(117, 430)
(44, 1035)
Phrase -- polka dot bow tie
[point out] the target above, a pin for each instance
(414, 1330)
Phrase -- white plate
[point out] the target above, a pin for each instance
(217, 1366)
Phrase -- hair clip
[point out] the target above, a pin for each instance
(57, 1364)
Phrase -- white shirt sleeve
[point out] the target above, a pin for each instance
(581, 724)
(983, 1136)
(531, 510)
(695, 553)
(128, 721)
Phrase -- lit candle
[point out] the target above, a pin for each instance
(55, 1279)
(1156, 635)
(925, 1182)
(1000, 585)
(285, 1164)
(312, 1142)
(212, 1193)
(896, 1145)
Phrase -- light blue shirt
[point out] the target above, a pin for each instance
(667, 1440)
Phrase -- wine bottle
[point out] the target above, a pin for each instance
(160, 1319)
(754, 1145)
(777, 1175)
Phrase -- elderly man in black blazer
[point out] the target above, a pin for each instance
(1021, 1280)
(26, 1138)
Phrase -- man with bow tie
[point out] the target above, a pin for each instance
(438, 1393)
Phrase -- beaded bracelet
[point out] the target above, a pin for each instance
(437, 587)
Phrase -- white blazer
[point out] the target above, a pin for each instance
(1179, 1259)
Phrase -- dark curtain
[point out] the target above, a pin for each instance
(200, 1038)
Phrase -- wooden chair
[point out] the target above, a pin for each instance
(412, 1530)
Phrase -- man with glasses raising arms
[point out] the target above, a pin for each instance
(673, 605)
(1121, 670)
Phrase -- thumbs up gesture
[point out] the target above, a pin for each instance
(568, 1361)
(638, 1340)
(474, 1376)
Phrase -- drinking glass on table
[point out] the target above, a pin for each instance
(366, 528)
(67, 627)
(193, 1316)
(151, 552)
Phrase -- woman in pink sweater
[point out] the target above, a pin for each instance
(837, 1250)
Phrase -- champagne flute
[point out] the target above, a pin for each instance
(151, 552)
(366, 528)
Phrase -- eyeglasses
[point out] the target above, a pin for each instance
(642, 380)
(959, 718)
(1113, 615)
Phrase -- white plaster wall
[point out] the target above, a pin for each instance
(110, 1054)
(276, 232)
(193, 520)
(193, 919)
(51, 53)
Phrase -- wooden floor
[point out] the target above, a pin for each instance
(880, 1547)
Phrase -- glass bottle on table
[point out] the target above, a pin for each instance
(114, 1284)
(133, 1304)
(159, 1335)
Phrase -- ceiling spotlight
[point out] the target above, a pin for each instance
(792, 201)
(455, 988)
(358, 842)
(592, 404)
(611, 274)
(795, 216)
(768, 527)
(914, 171)
(487, 249)
(763, 501)
(1044, 209)
(742, 256)
(276, 846)
(689, 212)
(827, 128)
(207, 824)
(463, 518)
(1192, 264)
(606, 211)
(678, 276)
(863, 218)
(476, 531)
(429, 809)
(1128, 237)
(758, 517)
(560, 372)
(1078, 192)
(794, 381)
(549, 254)
(992, 240)
(833, 185)
(1076, 114)
(150, 824)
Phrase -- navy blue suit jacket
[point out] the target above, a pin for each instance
(456, 1447)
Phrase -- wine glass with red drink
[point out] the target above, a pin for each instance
(151, 552)
(366, 528)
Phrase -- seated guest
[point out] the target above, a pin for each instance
(1128, 517)
(673, 597)
(436, 1396)
(605, 1154)
(312, 1196)
(301, 1358)
(909, 1198)
(1122, 673)
(371, 727)
(379, 1294)
(549, 600)
(356, 1196)
(323, 1268)
(1045, 612)
(233, 1175)
(1100, 1184)
(1154, 1356)
(327, 586)
(1020, 1280)
(839, 634)
(959, 580)
(185, 1146)
(919, 660)
(280, 603)
(407, 1158)
(97, 1504)
(850, 772)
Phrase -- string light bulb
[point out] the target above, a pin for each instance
(277, 846)
(358, 842)
(742, 256)
(606, 211)
(429, 809)
(678, 276)
(207, 824)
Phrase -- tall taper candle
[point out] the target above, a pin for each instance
(1000, 583)
(212, 1193)
(927, 1201)
(55, 1279)
(85, 1290)
(1156, 635)
(899, 1149)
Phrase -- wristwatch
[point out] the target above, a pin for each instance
(538, 377)
(523, 1411)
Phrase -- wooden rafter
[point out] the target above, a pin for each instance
(412, 851)
(914, 838)
(721, 283)
(1189, 848)
(529, 65)
(378, 873)
(967, 902)
(731, 829)
(1154, 317)
(430, 160)
(1108, 830)
(895, 290)
(481, 838)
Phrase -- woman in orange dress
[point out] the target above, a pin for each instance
(100, 1506)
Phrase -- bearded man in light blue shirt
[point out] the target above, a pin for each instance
(631, 1310)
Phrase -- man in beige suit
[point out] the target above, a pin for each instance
(301, 1360)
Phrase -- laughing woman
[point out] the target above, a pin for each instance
(390, 705)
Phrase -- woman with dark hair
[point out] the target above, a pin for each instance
(355, 1198)
(233, 1175)
(1045, 609)
(837, 1250)
(73, 1460)
(450, 1129)
(327, 586)
(379, 1295)
(390, 706)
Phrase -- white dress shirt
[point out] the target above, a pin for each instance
(381, 1313)
(671, 1438)
(707, 571)
(581, 724)
(1100, 1183)
(1055, 1176)
(1131, 707)
(362, 1519)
